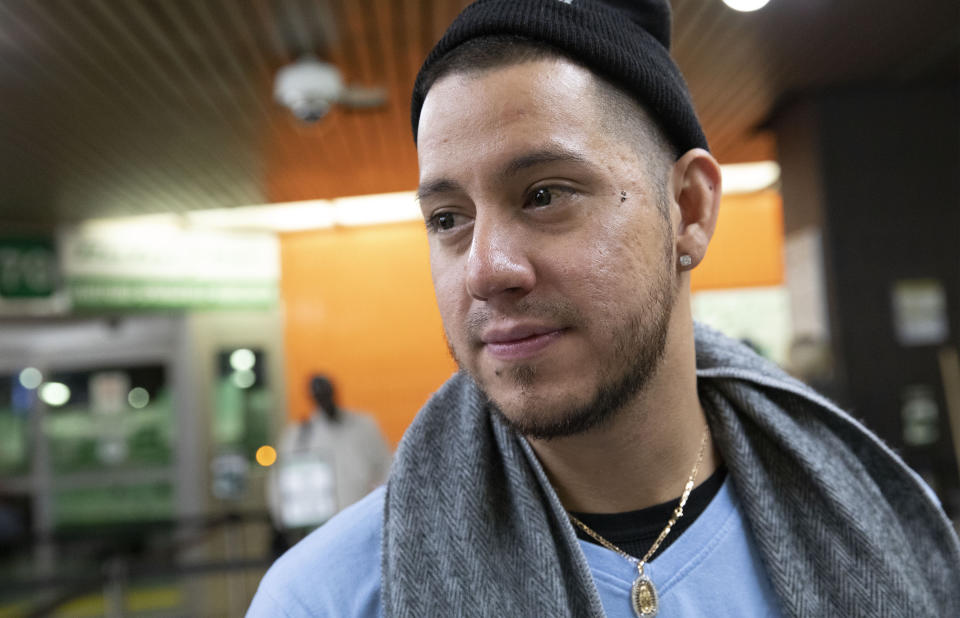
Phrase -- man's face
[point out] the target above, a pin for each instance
(551, 254)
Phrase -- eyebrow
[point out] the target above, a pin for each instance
(554, 154)
(513, 167)
(435, 187)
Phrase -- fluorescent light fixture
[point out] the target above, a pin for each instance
(746, 6)
(375, 209)
(311, 214)
(749, 177)
(285, 217)
(364, 210)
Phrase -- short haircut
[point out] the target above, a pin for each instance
(620, 112)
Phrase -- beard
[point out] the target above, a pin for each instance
(637, 348)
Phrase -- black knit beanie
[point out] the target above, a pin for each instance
(626, 42)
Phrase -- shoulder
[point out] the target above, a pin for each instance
(335, 571)
(363, 426)
(358, 419)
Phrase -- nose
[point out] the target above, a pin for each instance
(498, 262)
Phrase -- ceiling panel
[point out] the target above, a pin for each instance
(112, 107)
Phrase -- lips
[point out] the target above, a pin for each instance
(519, 342)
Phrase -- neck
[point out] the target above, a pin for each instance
(643, 455)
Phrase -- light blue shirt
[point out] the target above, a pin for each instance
(712, 569)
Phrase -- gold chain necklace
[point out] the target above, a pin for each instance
(643, 594)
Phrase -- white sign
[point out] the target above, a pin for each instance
(307, 491)
(920, 312)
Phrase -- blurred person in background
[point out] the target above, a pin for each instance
(325, 463)
(598, 453)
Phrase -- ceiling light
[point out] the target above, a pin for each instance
(377, 209)
(749, 177)
(311, 214)
(286, 217)
(745, 6)
(280, 217)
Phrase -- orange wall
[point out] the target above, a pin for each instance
(360, 307)
(747, 246)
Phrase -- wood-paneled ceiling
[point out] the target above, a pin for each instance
(118, 107)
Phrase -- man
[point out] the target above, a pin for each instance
(598, 454)
(326, 463)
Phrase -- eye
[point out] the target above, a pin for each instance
(542, 197)
(443, 221)
(554, 196)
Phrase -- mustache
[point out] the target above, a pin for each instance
(558, 312)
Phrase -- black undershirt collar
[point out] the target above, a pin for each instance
(635, 531)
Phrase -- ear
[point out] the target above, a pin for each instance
(695, 187)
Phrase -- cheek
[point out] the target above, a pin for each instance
(611, 271)
(448, 286)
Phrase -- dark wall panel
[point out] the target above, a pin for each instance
(891, 176)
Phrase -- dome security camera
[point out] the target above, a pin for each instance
(309, 110)
(308, 87)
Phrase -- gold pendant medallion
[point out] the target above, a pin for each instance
(644, 597)
(643, 594)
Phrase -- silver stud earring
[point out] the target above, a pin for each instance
(686, 260)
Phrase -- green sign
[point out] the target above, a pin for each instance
(125, 266)
(28, 268)
(121, 293)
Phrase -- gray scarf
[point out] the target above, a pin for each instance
(471, 526)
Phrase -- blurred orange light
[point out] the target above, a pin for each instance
(266, 456)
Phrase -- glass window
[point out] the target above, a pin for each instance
(108, 418)
(243, 402)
